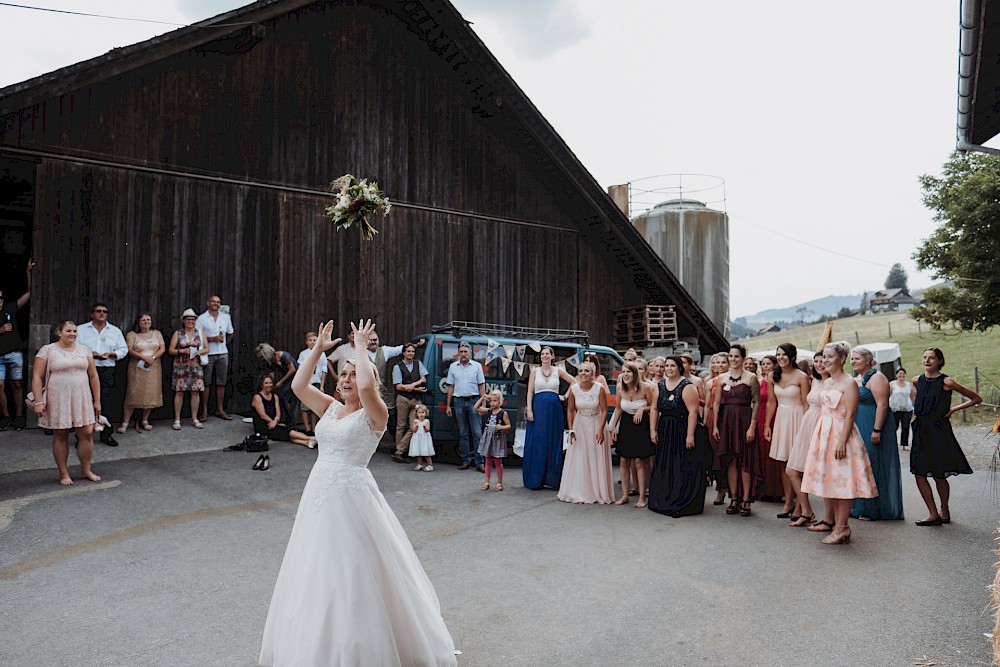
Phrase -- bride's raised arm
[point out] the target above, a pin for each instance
(311, 397)
(367, 384)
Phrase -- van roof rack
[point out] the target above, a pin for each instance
(462, 328)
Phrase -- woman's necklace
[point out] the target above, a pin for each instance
(544, 374)
(735, 380)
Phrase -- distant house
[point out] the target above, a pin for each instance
(891, 300)
(768, 328)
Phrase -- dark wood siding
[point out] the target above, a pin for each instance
(330, 89)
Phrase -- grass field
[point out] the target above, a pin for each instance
(964, 351)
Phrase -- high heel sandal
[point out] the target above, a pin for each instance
(833, 538)
(745, 508)
(786, 514)
(806, 521)
(734, 507)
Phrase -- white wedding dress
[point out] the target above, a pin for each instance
(351, 590)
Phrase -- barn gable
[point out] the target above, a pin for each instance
(197, 162)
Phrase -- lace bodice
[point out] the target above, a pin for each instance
(813, 398)
(349, 440)
(587, 402)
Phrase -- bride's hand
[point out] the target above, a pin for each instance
(326, 340)
(362, 331)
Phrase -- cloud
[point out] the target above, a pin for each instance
(536, 28)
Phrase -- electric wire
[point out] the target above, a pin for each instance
(123, 18)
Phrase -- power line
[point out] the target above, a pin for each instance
(810, 245)
(121, 18)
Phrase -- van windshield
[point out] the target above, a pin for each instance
(493, 371)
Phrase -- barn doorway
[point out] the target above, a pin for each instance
(17, 215)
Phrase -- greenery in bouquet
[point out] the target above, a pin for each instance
(356, 200)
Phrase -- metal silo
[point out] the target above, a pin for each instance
(693, 241)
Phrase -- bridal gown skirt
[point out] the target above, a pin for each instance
(351, 590)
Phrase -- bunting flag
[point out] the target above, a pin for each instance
(520, 351)
(491, 344)
(506, 363)
(508, 351)
(490, 357)
(519, 367)
(535, 345)
(574, 361)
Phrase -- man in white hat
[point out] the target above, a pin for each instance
(217, 327)
(108, 346)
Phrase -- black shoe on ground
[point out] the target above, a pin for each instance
(110, 442)
(19, 423)
(4, 423)
(399, 458)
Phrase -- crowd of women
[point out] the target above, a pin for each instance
(781, 430)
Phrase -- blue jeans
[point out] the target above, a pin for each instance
(470, 424)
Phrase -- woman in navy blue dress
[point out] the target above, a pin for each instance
(677, 483)
(543, 456)
(935, 451)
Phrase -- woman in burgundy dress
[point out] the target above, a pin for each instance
(770, 486)
(737, 404)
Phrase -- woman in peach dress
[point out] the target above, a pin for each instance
(72, 399)
(837, 466)
(586, 474)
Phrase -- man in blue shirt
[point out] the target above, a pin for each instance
(108, 346)
(466, 384)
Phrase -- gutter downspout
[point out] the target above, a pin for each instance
(968, 68)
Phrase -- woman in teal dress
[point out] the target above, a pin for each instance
(877, 425)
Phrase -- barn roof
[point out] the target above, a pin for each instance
(448, 36)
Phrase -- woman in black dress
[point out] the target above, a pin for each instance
(936, 453)
(630, 430)
(677, 483)
(737, 404)
(267, 416)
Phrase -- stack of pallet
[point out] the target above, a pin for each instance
(645, 326)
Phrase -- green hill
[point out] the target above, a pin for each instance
(963, 350)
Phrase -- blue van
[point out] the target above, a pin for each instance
(441, 351)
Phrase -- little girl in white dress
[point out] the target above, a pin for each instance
(421, 444)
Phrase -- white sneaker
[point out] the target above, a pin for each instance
(419, 467)
(429, 469)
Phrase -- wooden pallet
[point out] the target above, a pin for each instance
(645, 325)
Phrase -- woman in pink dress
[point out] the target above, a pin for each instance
(837, 466)
(769, 488)
(72, 399)
(786, 405)
(586, 475)
(800, 449)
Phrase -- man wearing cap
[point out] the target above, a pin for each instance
(466, 384)
(217, 327)
(108, 346)
(12, 358)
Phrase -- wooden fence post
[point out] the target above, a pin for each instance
(857, 338)
(890, 329)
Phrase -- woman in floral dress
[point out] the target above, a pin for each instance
(837, 466)
(185, 347)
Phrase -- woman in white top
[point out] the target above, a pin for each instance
(543, 457)
(901, 404)
(631, 434)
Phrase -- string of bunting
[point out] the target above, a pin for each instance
(515, 354)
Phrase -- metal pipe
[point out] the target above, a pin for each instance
(968, 56)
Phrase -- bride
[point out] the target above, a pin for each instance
(350, 590)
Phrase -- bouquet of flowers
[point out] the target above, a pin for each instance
(356, 199)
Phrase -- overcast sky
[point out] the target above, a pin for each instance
(819, 116)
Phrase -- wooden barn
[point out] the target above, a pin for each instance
(198, 163)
